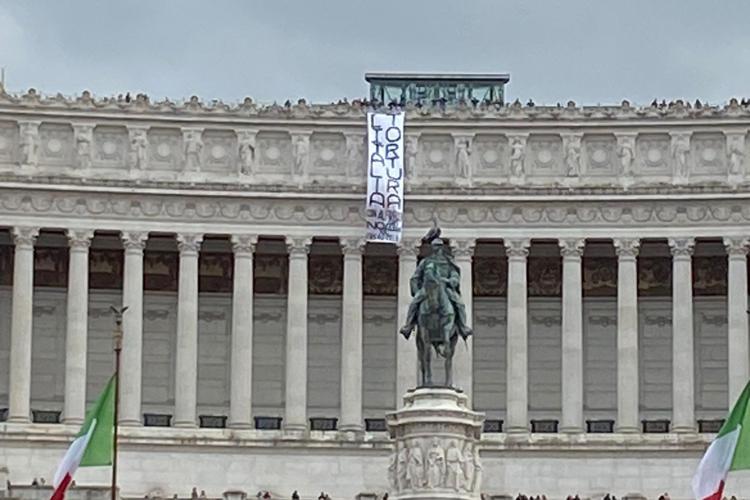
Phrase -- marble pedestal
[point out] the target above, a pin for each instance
(436, 447)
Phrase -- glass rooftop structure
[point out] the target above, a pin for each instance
(423, 88)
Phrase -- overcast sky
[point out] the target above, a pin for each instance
(591, 51)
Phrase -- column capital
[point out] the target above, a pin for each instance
(299, 245)
(79, 238)
(134, 240)
(572, 248)
(25, 236)
(463, 248)
(188, 243)
(244, 243)
(627, 247)
(409, 247)
(517, 248)
(736, 246)
(352, 246)
(681, 247)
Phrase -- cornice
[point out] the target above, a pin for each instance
(141, 106)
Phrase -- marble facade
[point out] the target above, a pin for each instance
(606, 248)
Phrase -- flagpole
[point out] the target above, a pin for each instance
(118, 349)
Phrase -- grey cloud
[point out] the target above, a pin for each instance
(591, 51)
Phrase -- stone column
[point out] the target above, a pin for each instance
(77, 326)
(131, 365)
(463, 363)
(683, 398)
(295, 418)
(739, 349)
(406, 350)
(186, 377)
(517, 252)
(572, 335)
(241, 383)
(627, 334)
(21, 324)
(351, 337)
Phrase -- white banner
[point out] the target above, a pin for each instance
(384, 206)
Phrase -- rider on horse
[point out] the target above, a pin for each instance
(450, 274)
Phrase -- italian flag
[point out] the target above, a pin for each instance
(93, 443)
(729, 451)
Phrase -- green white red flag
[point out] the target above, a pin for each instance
(93, 443)
(728, 452)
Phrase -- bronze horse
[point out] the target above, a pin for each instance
(436, 327)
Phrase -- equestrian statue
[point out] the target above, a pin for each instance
(436, 310)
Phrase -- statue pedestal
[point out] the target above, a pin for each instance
(436, 447)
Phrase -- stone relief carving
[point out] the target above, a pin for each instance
(490, 276)
(517, 158)
(600, 276)
(655, 276)
(411, 147)
(710, 276)
(736, 154)
(29, 143)
(626, 154)
(84, 137)
(246, 143)
(138, 151)
(681, 156)
(57, 144)
(435, 463)
(355, 155)
(300, 152)
(380, 275)
(193, 146)
(653, 153)
(463, 161)
(572, 155)
(326, 275)
(545, 277)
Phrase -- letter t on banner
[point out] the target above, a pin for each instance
(384, 207)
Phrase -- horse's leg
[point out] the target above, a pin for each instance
(449, 362)
(420, 356)
(427, 360)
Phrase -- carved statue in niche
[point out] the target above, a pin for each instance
(412, 148)
(736, 154)
(468, 463)
(477, 467)
(402, 465)
(626, 152)
(517, 146)
(463, 160)
(29, 142)
(301, 150)
(354, 156)
(138, 149)
(681, 155)
(455, 467)
(193, 148)
(393, 471)
(573, 156)
(435, 465)
(246, 142)
(415, 472)
(84, 139)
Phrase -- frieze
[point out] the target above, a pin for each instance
(215, 272)
(490, 276)
(105, 269)
(170, 209)
(325, 274)
(599, 277)
(51, 267)
(380, 275)
(655, 276)
(270, 274)
(545, 277)
(160, 270)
